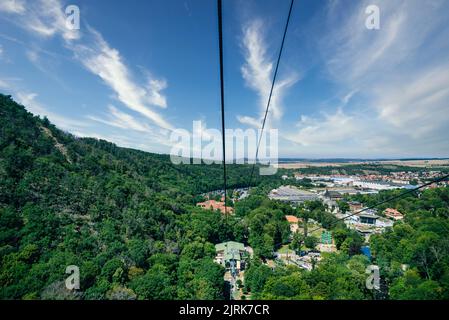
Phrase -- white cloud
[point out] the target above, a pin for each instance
(348, 96)
(400, 74)
(154, 89)
(29, 100)
(52, 18)
(119, 119)
(3, 84)
(134, 129)
(12, 6)
(325, 130)
(9, 83)
(153, 140)
(358, 58)
(33, 56)
(347, 134)
(250, 121)
(107, 63)
(354, 51)
(258, 72)
(419, 106)
(47, 18)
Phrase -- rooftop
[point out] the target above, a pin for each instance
(393, 213)
(292, 219)
(290, 193)
(230, 245)
(215, 205)
(231, 250)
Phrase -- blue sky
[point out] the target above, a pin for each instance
(137, 69)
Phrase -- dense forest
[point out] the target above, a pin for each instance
(128, 219)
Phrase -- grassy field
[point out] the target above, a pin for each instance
(317, 230)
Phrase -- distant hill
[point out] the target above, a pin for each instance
(350, 160)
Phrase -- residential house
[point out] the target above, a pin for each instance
(355, 206)
(215, 205)
(232, 255)
(393, 214)
(293, 221)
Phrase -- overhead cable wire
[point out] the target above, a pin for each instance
(222, 100)
(271, 90)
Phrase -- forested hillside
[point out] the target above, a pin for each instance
(128, 220)
(125, 217)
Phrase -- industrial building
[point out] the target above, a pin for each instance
(292, 194)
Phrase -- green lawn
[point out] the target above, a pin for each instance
(284, 249)
(310, 227)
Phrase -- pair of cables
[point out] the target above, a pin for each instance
(220, 39)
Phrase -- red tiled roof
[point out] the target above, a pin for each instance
(292, 219)
(215, 205)
(390, 212)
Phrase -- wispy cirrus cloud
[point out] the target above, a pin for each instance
(399, 74)
(349, 96)
(30, 101)
(419, 106)
(133, 128)
(107, 63)
(3, 84)
(122, 120)
(250, 121)
(46, 18)
(328, 129)
(12, 6)
(257, 72)
(153, 140)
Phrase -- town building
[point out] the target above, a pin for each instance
(333, 195)
(342, 191)
(293, 221)
(355, 206)
(378, 185)
(343, 181)
(232, 255)
(393, 214)
(215, 205)
(292, 194)
(368, 217)
(331, 205)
